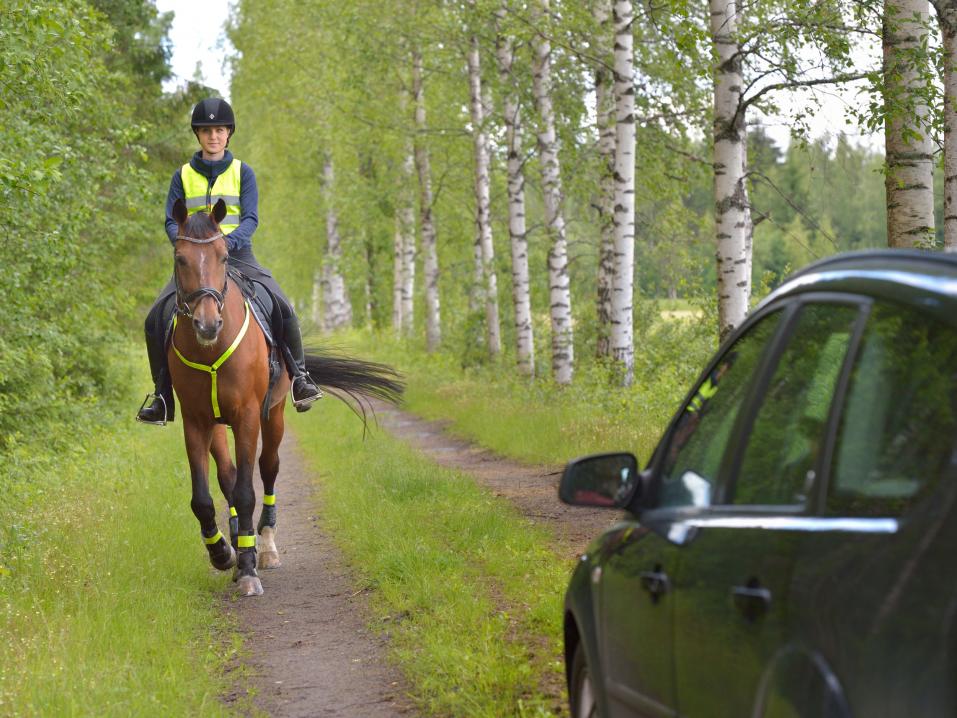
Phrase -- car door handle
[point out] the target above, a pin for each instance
(655, 582)
(752, 600)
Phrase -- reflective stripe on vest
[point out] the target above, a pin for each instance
(226, 187)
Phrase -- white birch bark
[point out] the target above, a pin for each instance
(947, 15)
(521, 296)
(558, 283)
(433, 323)
(605, 204)
(338, 308)
(407, 228)
(732, 213)
(483, 222)
(398, 257)
(909, 180)
(316, 310)
(623, 275)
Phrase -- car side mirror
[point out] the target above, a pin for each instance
(604, 480)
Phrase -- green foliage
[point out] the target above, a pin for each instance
(76, 185)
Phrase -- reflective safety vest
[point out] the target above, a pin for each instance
(201, 197)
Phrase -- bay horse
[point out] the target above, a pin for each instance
(219, 363)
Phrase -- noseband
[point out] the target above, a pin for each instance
(183, 303)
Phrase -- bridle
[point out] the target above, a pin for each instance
(183, 303)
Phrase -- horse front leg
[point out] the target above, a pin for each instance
(273, 430)
(246, 434)
(198, 438)
(226, 473)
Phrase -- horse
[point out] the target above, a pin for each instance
(219, 362)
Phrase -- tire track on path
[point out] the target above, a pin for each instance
(307, 637)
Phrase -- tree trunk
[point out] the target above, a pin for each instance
(398, 257)
(909, 180)
(433, 324)
(947, 14)
(521, 297)
(483, 223)
(407, 228)
(732, 211)
(623, 276)
(337, 305)
(605, 121)
(316, 313)
(559, 292)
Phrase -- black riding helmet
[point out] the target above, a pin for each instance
(213, 112)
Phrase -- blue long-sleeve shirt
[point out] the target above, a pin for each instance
(241, 237)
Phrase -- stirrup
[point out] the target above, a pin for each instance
(150, 398)
(304, 404)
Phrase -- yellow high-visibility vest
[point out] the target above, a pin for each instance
(226, 188)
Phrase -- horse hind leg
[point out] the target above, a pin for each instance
(272, 434)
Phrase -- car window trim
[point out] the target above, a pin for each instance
(825, 460)
(741, 434)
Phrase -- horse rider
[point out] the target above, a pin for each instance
(212, 174)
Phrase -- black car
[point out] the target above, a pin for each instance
(791, 547)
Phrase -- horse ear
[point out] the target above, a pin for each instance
(179, 212)
(219, 211)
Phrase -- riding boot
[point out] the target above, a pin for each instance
(159, 406)
(304, 389)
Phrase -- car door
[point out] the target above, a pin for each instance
(731, 591)
(635, 597)
(875, 592)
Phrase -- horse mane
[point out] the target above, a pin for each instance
(199, 225)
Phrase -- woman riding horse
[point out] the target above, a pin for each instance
(210, 175)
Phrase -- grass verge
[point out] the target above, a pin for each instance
(107, 605)
(467, 589)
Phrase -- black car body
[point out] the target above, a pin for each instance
(789, 550)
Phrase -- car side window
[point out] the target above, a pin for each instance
(777, 466)
(899, 422)
(697, 443)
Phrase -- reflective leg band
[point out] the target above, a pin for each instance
(247, 541)
(213, 539)
(232, 511)
(269, 499)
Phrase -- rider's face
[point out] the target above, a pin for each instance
(213, 141)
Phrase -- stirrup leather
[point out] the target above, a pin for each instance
(148, 400)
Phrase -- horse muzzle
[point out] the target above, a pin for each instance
(207, 330)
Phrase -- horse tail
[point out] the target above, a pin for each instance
(355, 381)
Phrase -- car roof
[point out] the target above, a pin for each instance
(923, 279)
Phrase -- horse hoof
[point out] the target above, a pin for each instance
(269, 559)
(228, 563)
(250, 586)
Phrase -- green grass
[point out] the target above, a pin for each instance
(107, 604)
(469, 591)
(538, 421)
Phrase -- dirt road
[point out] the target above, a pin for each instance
(310, 646)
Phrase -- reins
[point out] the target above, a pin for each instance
(183, 307)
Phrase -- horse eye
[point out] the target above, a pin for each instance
(180, 260)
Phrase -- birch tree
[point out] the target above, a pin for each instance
(433, 322)
(622, 288)
(909, 180)
(947, 17)
(338, 308)
(605, 204)
(515, 166)
(732, 215)
(484, 251)
(560, 303)
(406, 225)
(398, 275)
